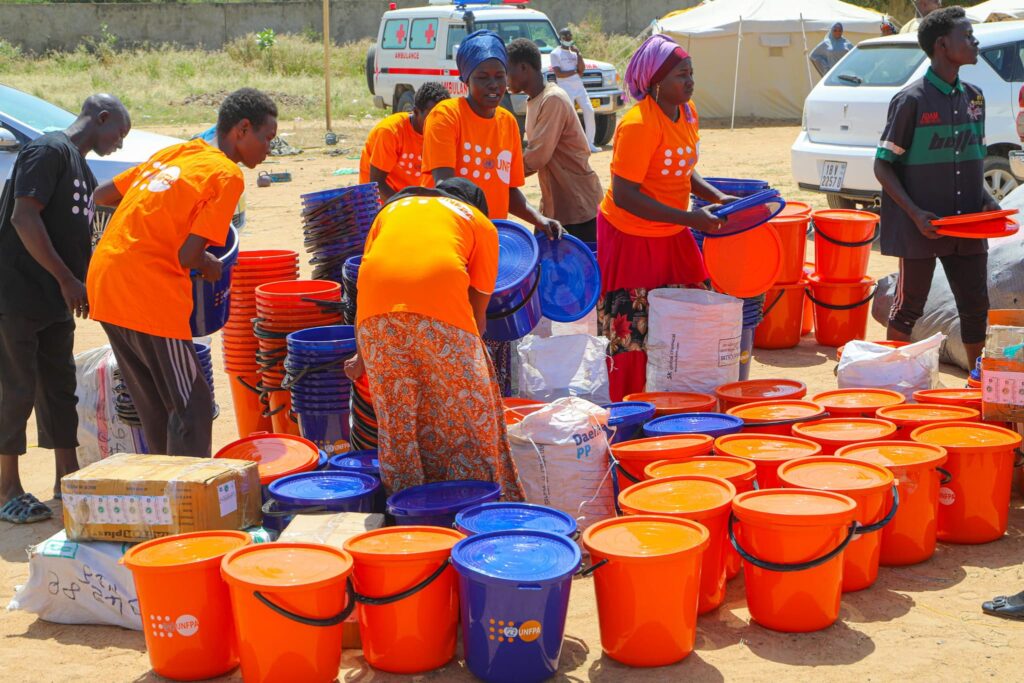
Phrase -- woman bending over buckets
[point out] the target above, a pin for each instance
(642, 235)
(472, 137)
(427, 274)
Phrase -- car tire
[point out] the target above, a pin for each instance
(371, 59)
(999, 180)
(405, 102)
(604, 129)
(837, 202)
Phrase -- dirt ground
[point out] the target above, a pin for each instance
(917, 623)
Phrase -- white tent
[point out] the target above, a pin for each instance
(996, 10)
(750, 56)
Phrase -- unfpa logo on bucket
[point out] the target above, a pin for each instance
(509, 632)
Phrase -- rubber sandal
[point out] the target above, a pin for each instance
(25, 509)
(1005, 606)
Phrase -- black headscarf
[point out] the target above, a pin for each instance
(459, 189)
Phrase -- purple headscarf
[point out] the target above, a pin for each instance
(647, 62)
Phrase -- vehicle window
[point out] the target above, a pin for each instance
(539, 31)
(32, 111)
(396, 34)
(877, 65)
(1005, 60)
(423, 35)
(455, 36)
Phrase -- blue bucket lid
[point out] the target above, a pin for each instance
(518, 556)
(693, 423)
(360, 461)
(748, 213)
(570, 281)
(629, 412)
(518, 254)
(738, 184)
(441, 498)
(507, 516)
(318, 487)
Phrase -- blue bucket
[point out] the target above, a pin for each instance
(712, 424)
(324, 427)
(327, 491)
(570, 282)
(437, 504)
(626, 419)
(514, 596)
(514, 309)
(314, 342)
(364, 462)
(482, 519)
(746, 351)
(210, 299)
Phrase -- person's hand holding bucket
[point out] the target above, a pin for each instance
(211, 268)
(354, 367)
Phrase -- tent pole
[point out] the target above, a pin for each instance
(327, 63)
(736, 75)
(807, 56)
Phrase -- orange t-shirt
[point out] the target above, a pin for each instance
(660, 155)
(135, 280)
(422, 255)
(396, 148)
(488, 152)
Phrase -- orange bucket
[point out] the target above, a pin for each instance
(737, 471)
(281, 417)
(401, 560)
(776, 417)
(745, 264)
(633, 456)
(275, 455)
(792, 545)
(245, 397)
(910, 416)
(808, 322)
(835, 432)
(754, 390)
(910, 537)
(647, 581)
(766, 451)
(840, 309)
(783, 317)
(700, 499)
(969, 398)
(186, 611)
(842, 243)
(858, 402)
(675, 402)
(795, 209)
(792, 232)
(289, 601)
(874, 489)
(974, 505)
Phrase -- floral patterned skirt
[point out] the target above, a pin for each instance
(439, 412)
(630, 267)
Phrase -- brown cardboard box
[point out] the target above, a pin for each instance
(129, 497)
(1002, 377)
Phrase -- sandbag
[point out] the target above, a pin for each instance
(562, 366)
(907, 369)
(693, 340)
(561, 452)
(101, 432)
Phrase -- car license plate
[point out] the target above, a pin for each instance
(832, 174)
(594, 102)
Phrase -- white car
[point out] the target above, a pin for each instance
(846, 111)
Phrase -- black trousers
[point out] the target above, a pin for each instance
(968, 280)
(584, 232)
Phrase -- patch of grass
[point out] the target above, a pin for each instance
(594, 43)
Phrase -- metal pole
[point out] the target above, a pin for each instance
(327, 63)
(736, 76)
(807, 55)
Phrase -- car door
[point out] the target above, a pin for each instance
(7, 157)
(999, 73)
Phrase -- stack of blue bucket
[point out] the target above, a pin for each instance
(335, 224)
(349, 281)
(320, 391)
(753, 314)
(626, 419)
(737, 187)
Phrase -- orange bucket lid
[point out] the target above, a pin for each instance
(693, 494)
(895, 453)
(752, 390)
(672, 402)
(845, 430)
(966, 436)
(770, 411)
(794, 507)
(721, 466)
(745, 264)
(910, 413)
(766, 447)
(828, 473)
(513, 402)
(282, 566)
(641, 536)
(276, 455)
(794, 209)
(663, 447)
(174, 552)
(399, 543)
(948, 396)
(859, 398)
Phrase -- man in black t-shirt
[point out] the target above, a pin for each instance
(45, 241)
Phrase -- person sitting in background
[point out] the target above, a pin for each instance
(427, 274)
(830, 50)
(393, 154)
(556, 148)
(568, 65)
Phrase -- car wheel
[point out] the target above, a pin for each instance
(604, 129)
(838, 202)
(371, 54)
(999, 181)
(405, 102)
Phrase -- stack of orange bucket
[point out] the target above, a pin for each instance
(282, 308)
(840, 287)
(254, 268)
(782, 326)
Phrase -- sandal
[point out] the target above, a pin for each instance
(25, 509)
(1005, 606)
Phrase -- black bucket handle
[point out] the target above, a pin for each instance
(408, 592)
(778, 298)
(841, 243)
(877, 526)
(517, 307)
(793, 567)
(842, 307)
(587, 571)
(947, 476)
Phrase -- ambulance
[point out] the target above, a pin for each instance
(417, 45)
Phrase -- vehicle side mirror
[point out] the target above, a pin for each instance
(8, 143)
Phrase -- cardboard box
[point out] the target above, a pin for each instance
(1002, 370)
(129, 497)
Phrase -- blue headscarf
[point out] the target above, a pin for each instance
(477, 48)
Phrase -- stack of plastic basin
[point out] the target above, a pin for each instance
(349, 280)
(840, 288)
(783, 309)
(363, 435)
(253, 268)
(283, 308)
(335, 224)
(319, 389)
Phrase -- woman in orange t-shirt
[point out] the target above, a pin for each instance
(642, 225)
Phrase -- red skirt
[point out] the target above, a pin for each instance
(630, 267)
